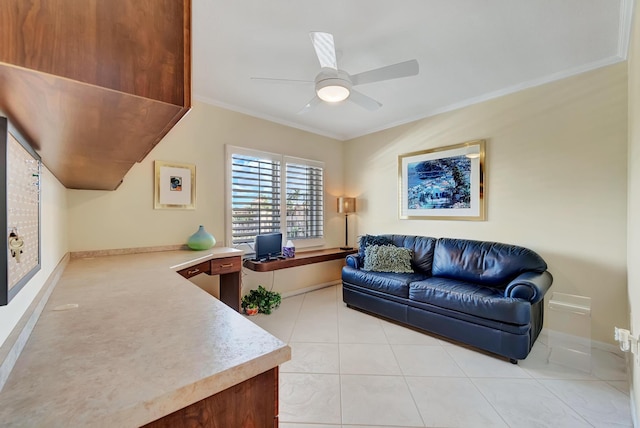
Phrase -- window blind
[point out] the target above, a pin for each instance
(305, 211)
(270, 192)
(255, 197)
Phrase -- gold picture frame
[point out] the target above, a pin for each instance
(174, 186)
(445, 183)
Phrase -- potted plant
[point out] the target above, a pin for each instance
(251, 309)
(260, 300)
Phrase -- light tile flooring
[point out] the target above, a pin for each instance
(350, 369)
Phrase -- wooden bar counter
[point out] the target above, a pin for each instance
(142, 343)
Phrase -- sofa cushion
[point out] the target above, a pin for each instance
(396, 284)
(388, 258)
(422, 247)
(461, 296)
(486, 263)
(367, 240)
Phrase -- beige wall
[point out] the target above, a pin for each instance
(126, 218)
(556, 181)
(633, 213)
(53, 247)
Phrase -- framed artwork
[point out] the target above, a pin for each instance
(175, 186)
(446, 183)
(20, 211)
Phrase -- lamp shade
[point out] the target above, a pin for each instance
(346, 205)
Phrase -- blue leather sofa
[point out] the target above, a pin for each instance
(485, 294)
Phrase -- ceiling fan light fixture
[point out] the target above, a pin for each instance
(332, 93)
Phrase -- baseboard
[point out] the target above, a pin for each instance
(634, 411)
(311, 288)
(124, 251)
(15, 343)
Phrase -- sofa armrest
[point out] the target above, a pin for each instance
(530, 286)
(353, 260)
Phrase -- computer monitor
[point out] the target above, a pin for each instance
(268, 246)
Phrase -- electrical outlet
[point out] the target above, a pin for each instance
(628, 342)
(623, 336)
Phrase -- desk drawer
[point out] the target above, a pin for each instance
(225, 265)
(204, 267)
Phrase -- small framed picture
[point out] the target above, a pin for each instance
(175, 185)
(445, 183)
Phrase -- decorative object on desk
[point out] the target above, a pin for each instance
(201, 240)
(446, 183)
(174, 186)
(289, 250)
(264, 299)
(346, 206)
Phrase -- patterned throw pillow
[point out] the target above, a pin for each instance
(367, 240)
(387, 258)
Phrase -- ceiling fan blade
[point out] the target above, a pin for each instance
(325, 49)
(401, 69)
(310, 105)
(364, 101)
(285, 81)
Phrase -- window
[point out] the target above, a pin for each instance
(304, 201)
(265, 185)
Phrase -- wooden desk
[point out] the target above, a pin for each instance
(301, 258)
(228, 268)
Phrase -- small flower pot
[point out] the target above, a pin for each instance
(251, 311)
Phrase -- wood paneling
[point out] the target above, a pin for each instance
(250, 404)
(94, 85)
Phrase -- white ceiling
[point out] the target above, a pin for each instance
(468, 51)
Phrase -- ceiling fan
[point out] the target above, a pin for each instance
(333, 85)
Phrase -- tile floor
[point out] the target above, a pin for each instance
(350, 369)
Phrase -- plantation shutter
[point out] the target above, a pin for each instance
(305, 211)
(255, 197)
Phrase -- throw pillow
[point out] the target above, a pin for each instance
(387, 258)
(367, 240)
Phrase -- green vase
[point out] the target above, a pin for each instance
(201, 240)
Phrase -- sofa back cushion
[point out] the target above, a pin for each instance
(422, 247)
(487, 263)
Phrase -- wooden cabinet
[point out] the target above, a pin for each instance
(228, 268)
(225, 265)
(204, 267)
(250, 404)
(94, 85)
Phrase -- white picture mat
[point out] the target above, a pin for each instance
(169, 197)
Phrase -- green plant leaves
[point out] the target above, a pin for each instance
(264, 299)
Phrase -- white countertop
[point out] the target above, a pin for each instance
(142, 343)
